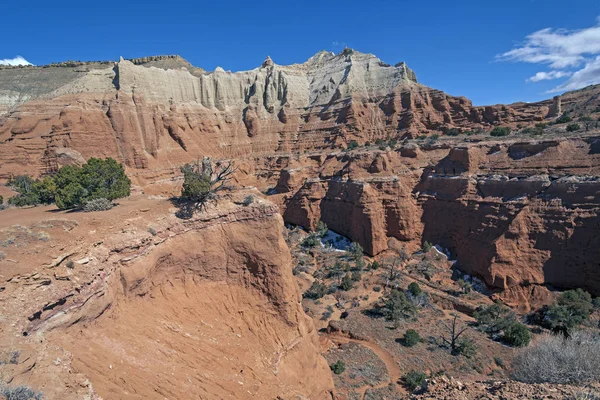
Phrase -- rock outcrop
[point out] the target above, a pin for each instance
(201, 308)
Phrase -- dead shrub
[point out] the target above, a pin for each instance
(555, 359)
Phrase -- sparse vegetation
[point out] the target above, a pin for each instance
(556, 359)
(316, 291)
(414, 380)
(338, 367)
(20, 393)
(573, 127)
(563, 119)
(248, 200)
(312, 240)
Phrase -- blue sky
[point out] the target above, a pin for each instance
(451, 45)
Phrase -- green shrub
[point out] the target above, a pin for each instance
(353, 144)
(338, 367)
(31, 192)
(96, 179)
(411, 338)
(563, 119)
(414, 380)
(316, 291)
(202, 180)
(1, 200)
(573, 127)
(517, 335)
(426, 247)
(322, 229)
(310, 241)
(375, 265)
(500, 131)
(415, 289)
(347, 283)
(465, 286)
(356, 276)
(532, 131)
(541, 125)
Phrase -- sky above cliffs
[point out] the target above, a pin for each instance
(490, 52)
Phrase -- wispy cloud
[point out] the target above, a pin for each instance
(18, 60)
(545, 76)
(337, 43)
(568, 53)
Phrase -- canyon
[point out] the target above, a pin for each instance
(344, 139)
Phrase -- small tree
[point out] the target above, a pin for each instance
(587, 122)
(571, 309)
(202, 181)
(573, 127)
(411, 338)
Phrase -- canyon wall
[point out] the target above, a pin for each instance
(515, 213)
(157, 112)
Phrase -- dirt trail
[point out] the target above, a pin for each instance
(394, 371)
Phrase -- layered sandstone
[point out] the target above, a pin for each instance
(152, 112)
(201, 308)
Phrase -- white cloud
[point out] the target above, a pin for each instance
(563, 51)
(588, 75)
(544, 76)
(18, 60)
